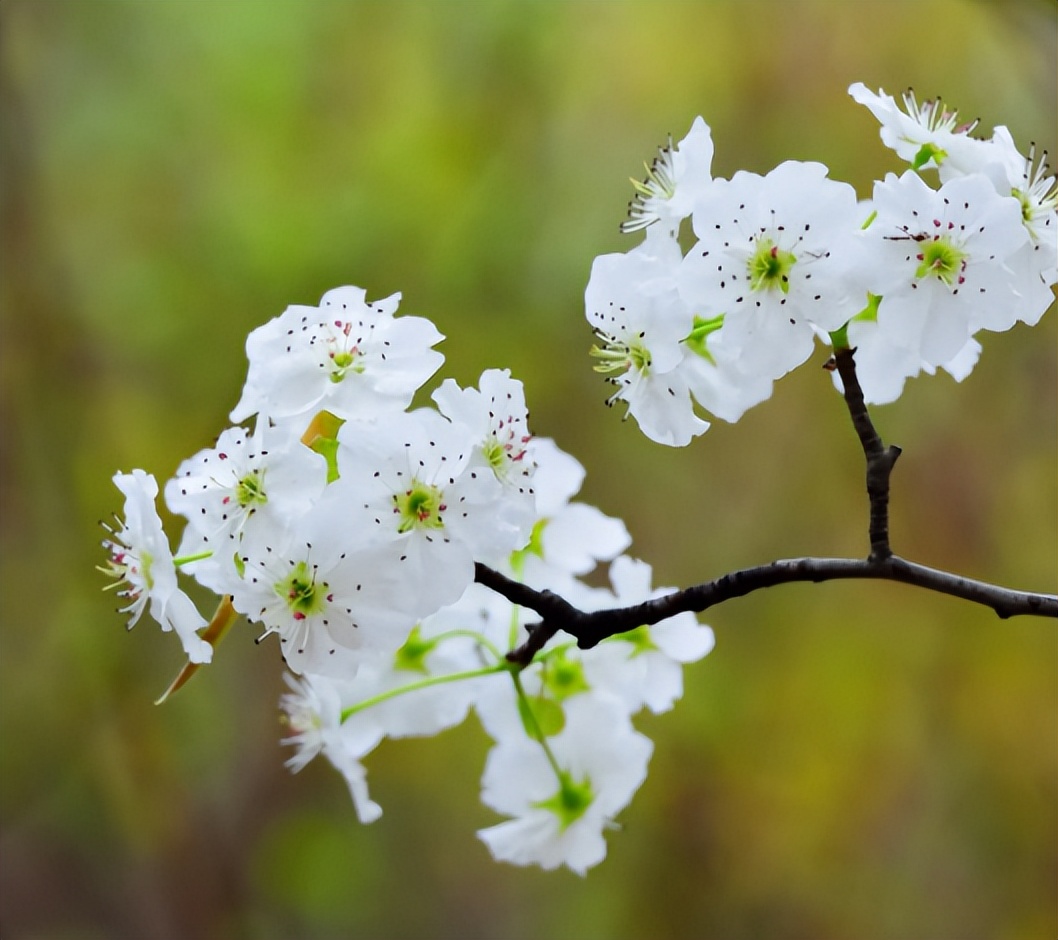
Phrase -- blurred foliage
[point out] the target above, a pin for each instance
(853, 761)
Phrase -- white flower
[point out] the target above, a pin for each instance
(313, 713)
(352, 358)
(559, 819)
(1031, 185)
(939, 263)
(497, 421)
(407, 489)
(142, 564)
(322, 602)
(674, 181)
(245, 489)
(928, 135)
(243, 475)
(639, 321)
(772, 258)
(1036, 262)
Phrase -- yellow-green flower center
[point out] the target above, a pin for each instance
(769, 267)
(564, 677)
(942, 260)
(304, 595)
(570, 802)
(419, 507)
(249, 491)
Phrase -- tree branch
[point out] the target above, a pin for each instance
(880, 459)
(590, 627)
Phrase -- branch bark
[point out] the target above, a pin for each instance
(591, 627)
(880, 459)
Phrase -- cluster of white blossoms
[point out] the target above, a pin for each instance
(349, 525)
(907, 277)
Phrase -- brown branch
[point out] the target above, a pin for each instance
(880, 459)
(591, 627)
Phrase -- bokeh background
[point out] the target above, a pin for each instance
(854, 760)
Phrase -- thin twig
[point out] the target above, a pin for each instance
(880, 459)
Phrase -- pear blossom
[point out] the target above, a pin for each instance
(350, 357)
(674, 181)
(495, 416)
(243, 475)
(772, 258)
(313, 597)
(883, 365)
(408, 491)
(638, 321)
(559, 817)
(926, 135)
(141, 563)
(313, 713)
(246, 488)
(940, 263)
(1036, 263)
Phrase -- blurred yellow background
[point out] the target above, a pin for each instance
(854, 760)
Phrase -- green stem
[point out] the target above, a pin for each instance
(187, 559)
(538, 734)
(422, 684)
(474, 635)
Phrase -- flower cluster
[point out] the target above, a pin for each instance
(349, 525)
(908, 277)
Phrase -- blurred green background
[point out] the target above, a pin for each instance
(854, 760)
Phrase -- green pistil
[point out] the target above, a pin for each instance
(495, 454)
(419, 507)
(570, 802)
(769, 267)
(348, 360)
(249, 491)
(942, 260)
(304, 595)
